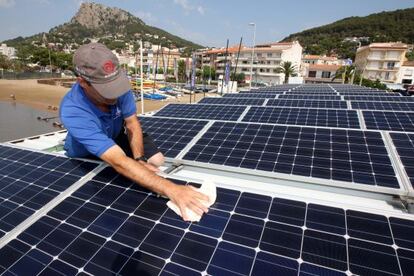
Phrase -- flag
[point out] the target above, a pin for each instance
(227, 73)
(175, 68)
(193, 72)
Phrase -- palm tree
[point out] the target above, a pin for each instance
(346, 73)
(288, 69)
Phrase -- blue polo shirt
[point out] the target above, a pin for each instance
(90, 130)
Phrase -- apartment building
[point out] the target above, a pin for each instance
(267, 58)
(381, 61)
(320, 60)
(321, 73)
(9, 52)
(406, 74)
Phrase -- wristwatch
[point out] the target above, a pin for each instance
(141, 158)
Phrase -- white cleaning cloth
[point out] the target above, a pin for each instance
(209, 189)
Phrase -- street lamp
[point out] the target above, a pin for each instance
(254, 45)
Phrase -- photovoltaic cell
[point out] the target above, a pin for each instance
(396, 121)
(29, 180)
(232, 101)
(171, 135)
(302, 116)
(308, 104)
(227, 240)
(310, 97)
(404, 143)
(358, 157)
(393, 106)
(200, 111)
(256, 95)
(379, 98)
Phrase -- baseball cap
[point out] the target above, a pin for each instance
(98, 65)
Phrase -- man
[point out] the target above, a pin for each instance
(94, 112)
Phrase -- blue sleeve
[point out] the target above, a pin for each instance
(127, 103)
(86, 130)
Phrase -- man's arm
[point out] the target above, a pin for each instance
(183, 196)
(135, 138)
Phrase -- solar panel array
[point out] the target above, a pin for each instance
(171, 135)
(308, 104)
(200, 111)
(29, 180)
(112, 227)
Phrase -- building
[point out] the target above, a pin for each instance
(267, 59)
(9, 52)
(321, 73)
(315, 59)
(406, 74)
(381, 61)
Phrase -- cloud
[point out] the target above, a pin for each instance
(147, 17)
(188, 7)
(7, 3)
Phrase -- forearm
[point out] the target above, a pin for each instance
(141, 175)
(135, 138)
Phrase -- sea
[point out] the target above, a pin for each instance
(20, 121)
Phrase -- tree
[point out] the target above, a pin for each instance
(288, 69)
(410, 55)
(181, 70)
(345, 71)
(209, 72)
(239, 77)
(5, 63)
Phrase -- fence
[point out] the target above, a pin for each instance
(27, 75)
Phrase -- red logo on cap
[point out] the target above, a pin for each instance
(109, 66)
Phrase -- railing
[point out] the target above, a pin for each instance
(27, 75)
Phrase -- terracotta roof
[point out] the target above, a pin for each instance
(324, 67)
(232, 49)
(319, 57)
(409, 63)
(389, 45)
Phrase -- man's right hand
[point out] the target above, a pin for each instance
(187, 197)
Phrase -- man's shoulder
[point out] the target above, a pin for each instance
(73, 98)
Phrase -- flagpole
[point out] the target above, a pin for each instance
(225, 64)
(142, 77)
(237, 62)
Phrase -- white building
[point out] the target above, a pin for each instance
(321, 73)
(267, 59)
(315, 59)
(9, 52)
(381, 61)
(406, 74)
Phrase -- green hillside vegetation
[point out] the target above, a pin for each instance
(380, 27)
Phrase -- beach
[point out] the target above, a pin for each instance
(42, 96)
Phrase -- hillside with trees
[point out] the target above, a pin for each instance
(342, 37)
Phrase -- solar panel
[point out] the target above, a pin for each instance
(370, 94)
(394, 106)
(255, 95)
(404, 143)
(379, 99)
(388, 120)
(200, 111)
(352, 156)
(232, 101)
(141, 237)
(29, 180)
(308, 104)
(311, 97)
(304, 117)
(171, 135)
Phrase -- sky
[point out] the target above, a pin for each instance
(207, 22)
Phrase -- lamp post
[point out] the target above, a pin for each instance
(254, 45)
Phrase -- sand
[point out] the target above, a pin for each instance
(43, 96)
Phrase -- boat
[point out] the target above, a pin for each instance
(154, 96)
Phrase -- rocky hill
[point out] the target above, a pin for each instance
(112, 26)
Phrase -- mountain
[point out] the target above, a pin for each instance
(336, 38)
(111, 26)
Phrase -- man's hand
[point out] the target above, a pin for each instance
(187, 197)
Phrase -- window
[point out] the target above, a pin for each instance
(259, 55)
(387, 75)
(269, 54)
(326, 75)
(267, 70)
(390, 65)
(406, 81)
(312, 74)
